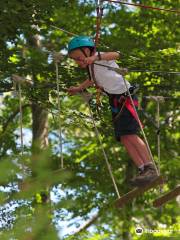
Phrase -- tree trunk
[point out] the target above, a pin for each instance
(39, 126)
(39, 114)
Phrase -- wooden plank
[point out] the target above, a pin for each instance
(138, 191)
(167, 197)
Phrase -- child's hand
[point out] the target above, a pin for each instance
(73, 90)
(90, 60)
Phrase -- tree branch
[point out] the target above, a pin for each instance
(94, 218)
(87, 224)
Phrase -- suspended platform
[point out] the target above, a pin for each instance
(167, 197)
(138, 191)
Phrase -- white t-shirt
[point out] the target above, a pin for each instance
(109, 80)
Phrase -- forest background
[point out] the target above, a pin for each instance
(39, 200)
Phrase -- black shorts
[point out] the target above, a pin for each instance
(124, 122)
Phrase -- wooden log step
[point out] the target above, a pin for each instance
(138, 191)
(167, 197)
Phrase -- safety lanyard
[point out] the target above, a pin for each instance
(91, 74)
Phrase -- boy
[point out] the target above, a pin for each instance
(82, 50)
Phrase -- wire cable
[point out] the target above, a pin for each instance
(99, 11)
(101, 145)
(59, 114)
(21, 118)
(143, 6)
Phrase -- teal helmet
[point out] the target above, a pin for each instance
(80, 41)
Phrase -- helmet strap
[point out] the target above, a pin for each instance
(91, 51)
(88, 71)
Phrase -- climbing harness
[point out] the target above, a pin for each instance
(123, 100)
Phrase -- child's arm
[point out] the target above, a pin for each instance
(108, 56)
(73, 90)
(104, 56)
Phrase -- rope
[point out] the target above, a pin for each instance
(158, 135)
(101, 145)
(117, 69)
(144, 6)
(153, 71)
(21, 117)
(158, 99)
(123, 71)
(75, 34)
(99, 11)
(17, 80)
(70, 33)
(57, 57)
(162, 97)
(20, 80)
(146, 141)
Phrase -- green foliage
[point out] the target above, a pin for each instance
(148, 39)
(32, 226)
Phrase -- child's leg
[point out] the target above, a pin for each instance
(138, 151)
(132, 150)
(136, 142)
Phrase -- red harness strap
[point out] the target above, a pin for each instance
(129, 106)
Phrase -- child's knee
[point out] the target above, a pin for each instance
(124, 139)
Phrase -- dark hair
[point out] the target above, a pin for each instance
(91, 49)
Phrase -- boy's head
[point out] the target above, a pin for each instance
(79, 48)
